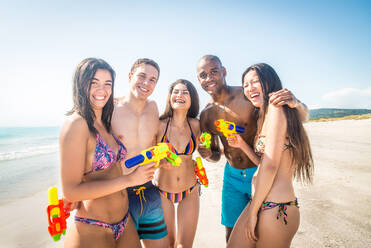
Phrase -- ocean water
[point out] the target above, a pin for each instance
(23, 142)
(29, 161)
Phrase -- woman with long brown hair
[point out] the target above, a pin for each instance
(272, 218)
(178, 185)
(91, 160)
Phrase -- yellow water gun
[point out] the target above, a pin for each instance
(205, 139)
(155, 154)
(228, 127)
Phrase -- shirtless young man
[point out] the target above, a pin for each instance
(228, 102)
(135, 122)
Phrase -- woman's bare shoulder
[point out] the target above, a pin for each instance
(195, 123)
(74, 125)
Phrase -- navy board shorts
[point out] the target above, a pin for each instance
(146, 211)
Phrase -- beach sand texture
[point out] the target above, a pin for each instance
(335, 210)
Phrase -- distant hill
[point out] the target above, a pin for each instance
(333, 112)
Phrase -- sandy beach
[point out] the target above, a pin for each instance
(335, 210)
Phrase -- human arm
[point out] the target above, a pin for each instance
(237, 142)
(213, 153)
(275, 139)
(285, 97)
(74, 139)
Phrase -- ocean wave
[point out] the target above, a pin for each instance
(29, 152)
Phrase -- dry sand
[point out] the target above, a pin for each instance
(335, 210)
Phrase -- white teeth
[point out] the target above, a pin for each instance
(211, 85)
(143, 89)
(179, 101)
(99, 97)
(254, 95)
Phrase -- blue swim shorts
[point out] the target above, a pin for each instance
(236, 193)
(146, 211)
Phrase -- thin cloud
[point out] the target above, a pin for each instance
(348, 98)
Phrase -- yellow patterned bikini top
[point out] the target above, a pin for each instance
(260, 145)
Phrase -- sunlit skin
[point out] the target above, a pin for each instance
(182, 220)
(135, 122)
(228, 102)
(100, 194)
(252, 89)
(143, 81)
(180, 98)
(273, 181)
(211, 76)
(100, 89)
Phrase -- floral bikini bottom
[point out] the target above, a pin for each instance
(282, 207)
(117, 228)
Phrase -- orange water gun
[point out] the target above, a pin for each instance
(205, 139)
(228, 127)
(201, 173)
(57, 215)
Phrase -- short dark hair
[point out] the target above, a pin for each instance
(144, 61)
(212, 58)
(83, 76)
(195, 103)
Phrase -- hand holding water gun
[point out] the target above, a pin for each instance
(205, 139)
(57, 214)
(228, 128)
(155, 154)
(201, 173)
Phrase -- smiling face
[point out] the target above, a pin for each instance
(252, 88)
(143, 81)
(100, 89)
(180, 97)
(211, 75)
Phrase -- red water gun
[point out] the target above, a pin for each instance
(201, 173)
(57, 214)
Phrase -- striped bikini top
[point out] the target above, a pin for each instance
(191, 146)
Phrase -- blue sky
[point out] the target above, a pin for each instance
(320, 49)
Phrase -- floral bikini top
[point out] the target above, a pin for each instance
(260, 145)
(105, 156)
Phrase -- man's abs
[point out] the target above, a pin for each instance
(238, 159)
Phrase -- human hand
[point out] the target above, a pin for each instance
(166, 164)
(70, 206)
(283, 97)
(250, 227)
(143, 174)
(236, 141)
(203, 151)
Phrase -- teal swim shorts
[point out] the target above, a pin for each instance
(236, 193)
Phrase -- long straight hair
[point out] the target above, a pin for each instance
(298, 138)
(195, 105)
(83, 76)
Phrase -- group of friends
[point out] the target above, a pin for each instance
(158, 206)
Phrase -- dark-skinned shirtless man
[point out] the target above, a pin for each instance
(229, 103)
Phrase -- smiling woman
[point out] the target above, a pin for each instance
(100, 89)
(180, 127)
(91, 160)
